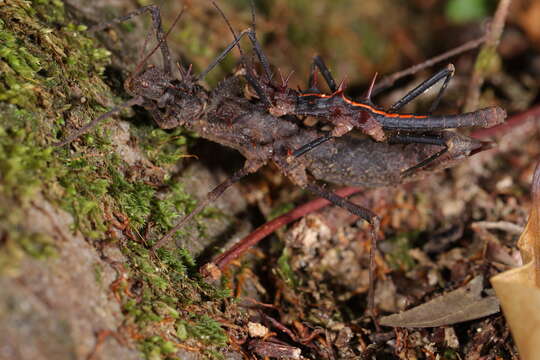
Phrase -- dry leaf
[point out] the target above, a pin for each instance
(529, 21)
(518, 289)
(463, 304)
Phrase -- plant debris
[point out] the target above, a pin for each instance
(463, 304)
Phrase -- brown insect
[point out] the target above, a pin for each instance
(225, 116)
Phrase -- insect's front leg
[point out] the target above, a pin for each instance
(157, 26)
(250, 166)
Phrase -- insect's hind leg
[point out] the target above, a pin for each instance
(418, 139)
(157, 26)
(445, 74)
(364, 214)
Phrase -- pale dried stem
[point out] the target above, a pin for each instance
(487, 55)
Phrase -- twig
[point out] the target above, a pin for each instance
(222, 260)
(389, 80)
(486, 60)
(499, 225)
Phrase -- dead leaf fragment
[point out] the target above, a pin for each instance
(274, 349)
(518, 289)
(463, 304)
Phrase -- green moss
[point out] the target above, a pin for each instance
(155, 347)
(284, 269)
(24, 167)
(134, 198)
(463, 11)
(176, 201)
(98, 273)
(168, 285)
(488, 61)
(280, 210)
(46, 66)
(399, 257)
(204, 329)
(162, 147)
(23, 164)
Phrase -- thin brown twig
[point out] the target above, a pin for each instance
(389, 80)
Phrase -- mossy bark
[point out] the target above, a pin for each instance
(76, 222)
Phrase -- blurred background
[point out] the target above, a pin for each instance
(356, 39)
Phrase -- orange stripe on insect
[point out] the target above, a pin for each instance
(367, 107)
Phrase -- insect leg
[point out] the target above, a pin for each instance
(228, 49)
(156, 24)
(416, 139)
(318, 63)
(365, 214)
(248, 168)
(221, 56)
(445, 74)
(91, 124)
(252, 80)
(424, 162)
(311, 145)
(327, 75)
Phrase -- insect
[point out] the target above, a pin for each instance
(346, 114)
(225, 116)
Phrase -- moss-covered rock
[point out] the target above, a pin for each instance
(76, 222)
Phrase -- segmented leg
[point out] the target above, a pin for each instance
(135, 101)
(222, 56)
(311, 145)
(212, 196)
(368, 216)
(445, 74)
(162, 44)
(251, 78)
(417, 139)
(319, 64)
